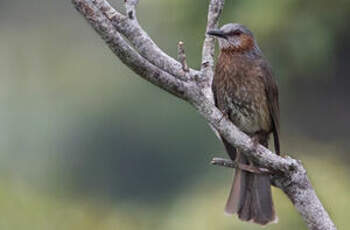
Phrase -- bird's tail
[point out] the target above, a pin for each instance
(250, 197)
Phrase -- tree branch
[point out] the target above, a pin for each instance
(233, 164)
(214, 12)
(125, 52)
(147, 60)
(130, 28)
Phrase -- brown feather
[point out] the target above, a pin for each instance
(273, 101)
(246, 92)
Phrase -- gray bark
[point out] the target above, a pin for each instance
(131, 44)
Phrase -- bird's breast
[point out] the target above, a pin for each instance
(240, 92)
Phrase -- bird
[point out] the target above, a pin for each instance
(246, 92)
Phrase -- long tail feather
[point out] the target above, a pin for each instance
(250, 197)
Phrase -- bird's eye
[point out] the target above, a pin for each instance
(236, 33)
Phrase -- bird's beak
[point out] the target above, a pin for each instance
(217, 33)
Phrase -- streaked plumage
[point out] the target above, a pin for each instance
(245, 90)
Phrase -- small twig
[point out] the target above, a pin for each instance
(182, 56)
(232, 164)
(223, 162)
(130, 8)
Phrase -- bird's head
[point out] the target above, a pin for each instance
(234, 37)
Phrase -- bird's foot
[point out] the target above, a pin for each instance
(224, 115)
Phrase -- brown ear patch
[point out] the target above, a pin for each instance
(246, 44)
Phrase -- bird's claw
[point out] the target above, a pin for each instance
(224, 114)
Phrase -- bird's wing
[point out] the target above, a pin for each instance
(220, 104)
(271, 90)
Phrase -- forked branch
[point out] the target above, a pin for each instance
(134, 47)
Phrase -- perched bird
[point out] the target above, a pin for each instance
(246, 92)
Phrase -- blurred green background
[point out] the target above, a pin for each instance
(86, 144)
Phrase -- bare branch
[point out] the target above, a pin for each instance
(223, 162)
(127, 54)
(142, 42)
(232, 164)
(214, 12)
(151, 63)
(182, 56)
